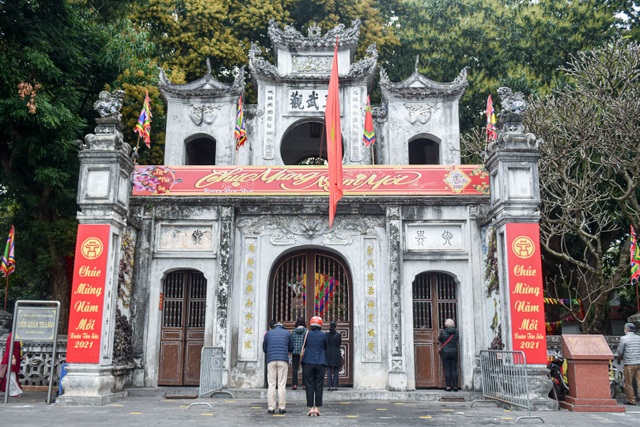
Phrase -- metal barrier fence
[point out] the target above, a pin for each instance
(211, 369)
(504, 379)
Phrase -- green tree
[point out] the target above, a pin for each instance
(502, 42)
(52, 66)
(189, 31)
(590, 179)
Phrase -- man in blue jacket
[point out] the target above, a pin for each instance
(277, 344)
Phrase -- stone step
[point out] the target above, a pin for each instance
(345, 393)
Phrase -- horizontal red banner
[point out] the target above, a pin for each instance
(436, 180)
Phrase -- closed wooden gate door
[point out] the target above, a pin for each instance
(182, 336)
(309, 283)
(434, 301)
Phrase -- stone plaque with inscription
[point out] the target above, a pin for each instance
(589, 347)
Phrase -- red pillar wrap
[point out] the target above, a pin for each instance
(87, 295)
(524, 267)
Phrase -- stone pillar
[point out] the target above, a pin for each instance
(515, 195)
(103, 197)
(397, 380)
(224, 285)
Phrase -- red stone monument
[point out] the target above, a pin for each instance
(588, 358)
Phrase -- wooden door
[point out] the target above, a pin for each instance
(434, 301)
(309, 283)
(182, 335)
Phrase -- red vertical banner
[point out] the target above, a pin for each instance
(87, 294)
(334, 138)
(526, 293)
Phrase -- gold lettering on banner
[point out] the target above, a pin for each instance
(525, 289)
(529, 325)
(527, 307)
(247, 344)
(86, 307)
(291, 180)
(521, 270)
(248, 331)
(86, 325)
(370, 277)
(87, 289)
(370, 316)
(86, 271)
(371, 346)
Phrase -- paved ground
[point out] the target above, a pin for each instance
(31, 410)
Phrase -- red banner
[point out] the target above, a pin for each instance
(525, 290)
(428, 180)
(87, 295)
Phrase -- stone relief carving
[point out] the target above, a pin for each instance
(393, 230)
(420, 112)
(511, 130)
(224, 275)
(293, 38)
(261, 65)
(205, 86)
(203, 112)
(285, 231)
(417, 85)
(252, 110)
(109, 104)
(366, 65)
(311, 64)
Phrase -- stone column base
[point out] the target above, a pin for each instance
(590, 405)
(397, 381)
(89, 385)
(539, 387)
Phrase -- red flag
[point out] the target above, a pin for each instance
(334, 138)
(492, 135)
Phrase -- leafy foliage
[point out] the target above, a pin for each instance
(502, 42)
(590, 180)
(52, 65)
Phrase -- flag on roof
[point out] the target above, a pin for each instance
(334, 138)
(143, 127)
(369, 135)
(8, 263)
(240, 132)
(491, 121)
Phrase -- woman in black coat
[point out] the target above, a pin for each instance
(448, 339)
(334, 358)
(314, 362)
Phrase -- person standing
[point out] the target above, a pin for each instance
(10, 378)
(334, 357)
(277, 345)
(448, 339)
(299, 332)
(629, 352)
(313, 365)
